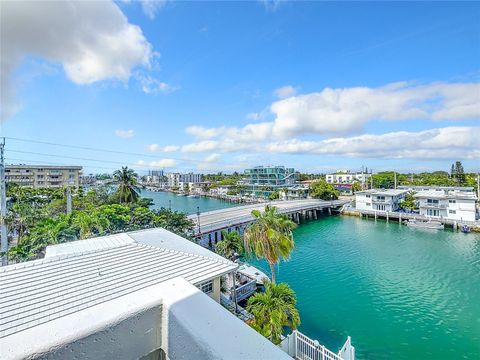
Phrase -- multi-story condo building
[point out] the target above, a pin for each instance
(379, 199)
(346, 177)
(449, 203)
(43, 175)
(268, 178)
(178, 180)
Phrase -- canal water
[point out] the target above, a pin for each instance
(184, 203)
(400, 293)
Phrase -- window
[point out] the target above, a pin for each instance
(452, 211)
(368, 204)
(367, 196)
(432, 201)
(452, 201)
(206, 287)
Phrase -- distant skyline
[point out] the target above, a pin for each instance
(222, 86)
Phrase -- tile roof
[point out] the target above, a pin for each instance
(85, 273)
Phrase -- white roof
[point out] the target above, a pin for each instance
(382, 192)
(443, 194)
(80, 274)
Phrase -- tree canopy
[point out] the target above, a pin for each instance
(320, 189)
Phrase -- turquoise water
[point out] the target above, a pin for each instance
(400, 293)
(184, 203)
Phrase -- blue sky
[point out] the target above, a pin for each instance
(210, 86)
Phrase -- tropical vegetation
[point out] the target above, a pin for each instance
(273, 311)
(38, 217)
(270, 237)
(230, 245)
(320, 189)
(126, 179)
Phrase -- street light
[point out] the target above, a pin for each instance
(198, 219)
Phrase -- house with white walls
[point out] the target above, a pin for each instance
(448, 203)
(379, 199)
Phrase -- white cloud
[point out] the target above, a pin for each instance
(151, 7)
(285, 91)
(91, 40)
(125, 134)
(442, 143)
(271, 5)
(253, 116)
(250, 132)
(342, 111)
(162, 163)
(212, 158)
(158, 148)
(150, 85)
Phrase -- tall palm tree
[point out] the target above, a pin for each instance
(273, 310)
(270, 237)
(126, 178)
(232, 243)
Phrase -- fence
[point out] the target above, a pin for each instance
(301, 347)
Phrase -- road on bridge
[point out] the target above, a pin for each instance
(234, 216)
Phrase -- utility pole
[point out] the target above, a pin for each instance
(3, 207)
(478, 186)
(371, 179)
(69, 200)
(395, 179)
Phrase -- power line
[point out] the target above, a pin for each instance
(101, 150)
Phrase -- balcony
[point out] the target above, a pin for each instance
(433, 206)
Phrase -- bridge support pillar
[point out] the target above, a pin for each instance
(329, 211)
(387, 216)
(315, 215)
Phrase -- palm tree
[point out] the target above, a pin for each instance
(126, 178)
(270, 237)
(273, 310)
(232, 243)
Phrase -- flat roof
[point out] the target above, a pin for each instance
(24, 166)
(445, 194)
(428, 187)
(389, 192)
(80, 274)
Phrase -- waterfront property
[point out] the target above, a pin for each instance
(379, 199)
(453, 204)
(176, 180)
(142, 294)
(40, 176)
(146, 295)
(264, 180)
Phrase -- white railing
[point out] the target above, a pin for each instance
(301, 347)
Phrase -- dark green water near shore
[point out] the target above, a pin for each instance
(400, 293)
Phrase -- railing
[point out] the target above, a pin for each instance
(246, 290)
(301, 347)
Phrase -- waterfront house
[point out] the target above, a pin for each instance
(379, 199)
(450, 203)
(141, 295)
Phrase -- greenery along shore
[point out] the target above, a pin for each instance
(38, 217)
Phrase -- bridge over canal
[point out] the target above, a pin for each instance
(208, 225)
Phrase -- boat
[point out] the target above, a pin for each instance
(434, 225)
(465, 229)
(253, 272)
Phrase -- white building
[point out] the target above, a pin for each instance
(450, 203)
(379, 199)
(141, 295)
(346, 178)
(178, 180)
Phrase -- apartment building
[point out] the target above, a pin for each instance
(178, 180)
(346, 177)
(265, 179)
(379, 199)
(450, 203)
(43, 175)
